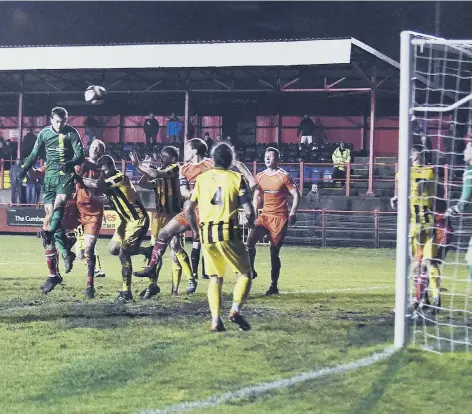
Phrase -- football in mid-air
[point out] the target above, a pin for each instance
(95, 94)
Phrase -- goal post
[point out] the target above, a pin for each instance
(403, 218)
(435, 105)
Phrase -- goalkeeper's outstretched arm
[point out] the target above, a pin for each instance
(466, 195)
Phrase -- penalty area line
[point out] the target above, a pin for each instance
(362, 289)
(265, 387)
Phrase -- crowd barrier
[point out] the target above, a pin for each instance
(306, 173)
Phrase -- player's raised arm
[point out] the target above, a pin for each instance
(466, 195)
(145, 183)
(184, 186)
(246, 173)
(29, 162)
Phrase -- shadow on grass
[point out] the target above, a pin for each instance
(97, 374)
(393, 365)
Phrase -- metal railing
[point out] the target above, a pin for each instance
(305, 173)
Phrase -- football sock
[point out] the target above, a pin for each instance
(61, 241)
(252, 256)
(176, 275)
(52, 261)
(155, 276)
(214, 297)
(241, 292)
(195, 256)
(434, 280)
(157, 252)
(184, 261)
(91, 261)
(56, 219)
(126, 272)
(275, 269)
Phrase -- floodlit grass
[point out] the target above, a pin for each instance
(64, 354)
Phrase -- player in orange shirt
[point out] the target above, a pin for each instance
(86, 210)
(273, 184)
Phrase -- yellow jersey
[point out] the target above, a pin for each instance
(219, 193)
(167, 191)
(123, 198)
(423, 190)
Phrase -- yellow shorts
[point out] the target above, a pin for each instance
(218, 256)
(159, 221)
(422, 242)
(132, 233)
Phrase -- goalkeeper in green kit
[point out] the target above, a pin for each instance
(466, 198)
(64, 151)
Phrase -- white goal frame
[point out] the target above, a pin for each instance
(408, 42)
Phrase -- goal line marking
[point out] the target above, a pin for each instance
(264, 387)
(361, 289)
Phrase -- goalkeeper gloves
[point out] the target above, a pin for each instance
(453, 211)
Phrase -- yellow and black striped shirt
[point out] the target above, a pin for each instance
(167, 191)
(219, 193)
(123, 198)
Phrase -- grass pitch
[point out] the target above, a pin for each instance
(61, 353)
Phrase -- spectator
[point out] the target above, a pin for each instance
(313, 200)
(341, 157)
(8, 150)
(208, 141)
(305, 130)
(91, 129)
(28, 143)
(151, 129)
(174, 128)
(15, 169)
(31, 178)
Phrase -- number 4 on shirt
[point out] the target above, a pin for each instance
(217, 199)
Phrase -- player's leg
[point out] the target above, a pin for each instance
(277, 232)
(134, 233)
(50, 252)
(255, 234)
(216, 266)
(195, 256)
(91, 261)
(59, 233)
(430, 254)
(80, 242)
(173, 228)
(175, 245)
(91, 230)
(184, 263)
(233, 254)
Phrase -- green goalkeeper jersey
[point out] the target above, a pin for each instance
(466, 196)
(60, 147)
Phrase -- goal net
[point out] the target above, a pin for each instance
(435, 116)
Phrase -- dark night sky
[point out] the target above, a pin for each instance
(375, 23)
